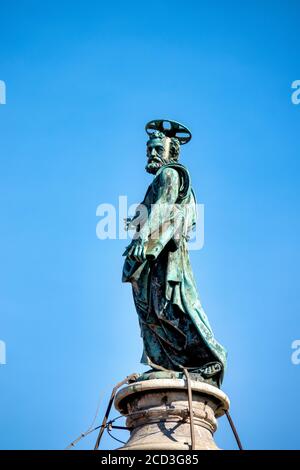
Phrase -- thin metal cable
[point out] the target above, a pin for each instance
(110, 434)
(89, 429)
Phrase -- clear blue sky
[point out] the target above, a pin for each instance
(82, 79)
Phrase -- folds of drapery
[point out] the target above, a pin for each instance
(167, 244)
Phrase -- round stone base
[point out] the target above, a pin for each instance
(158, 414)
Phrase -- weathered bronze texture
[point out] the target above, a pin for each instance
(175, 329)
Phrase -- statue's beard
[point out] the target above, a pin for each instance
(154, 164)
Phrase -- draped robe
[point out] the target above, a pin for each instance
(174, 327)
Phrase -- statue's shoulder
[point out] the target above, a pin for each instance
(180, 172)
(165, 176)
(166, 171)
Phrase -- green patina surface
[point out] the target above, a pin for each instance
(174, 327)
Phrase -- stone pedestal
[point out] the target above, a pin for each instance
(157, 412)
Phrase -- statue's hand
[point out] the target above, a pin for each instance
(136, 250)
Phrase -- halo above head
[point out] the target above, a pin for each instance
(169, 129)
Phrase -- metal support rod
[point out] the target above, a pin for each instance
(190, 398)
(111, 400)
(234, 430)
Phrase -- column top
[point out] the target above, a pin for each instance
(161, 385)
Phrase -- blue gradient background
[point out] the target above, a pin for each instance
(82, 79)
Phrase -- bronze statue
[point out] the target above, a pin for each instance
(174, 327)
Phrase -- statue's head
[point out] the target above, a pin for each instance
(161, 150)
(163, 146)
